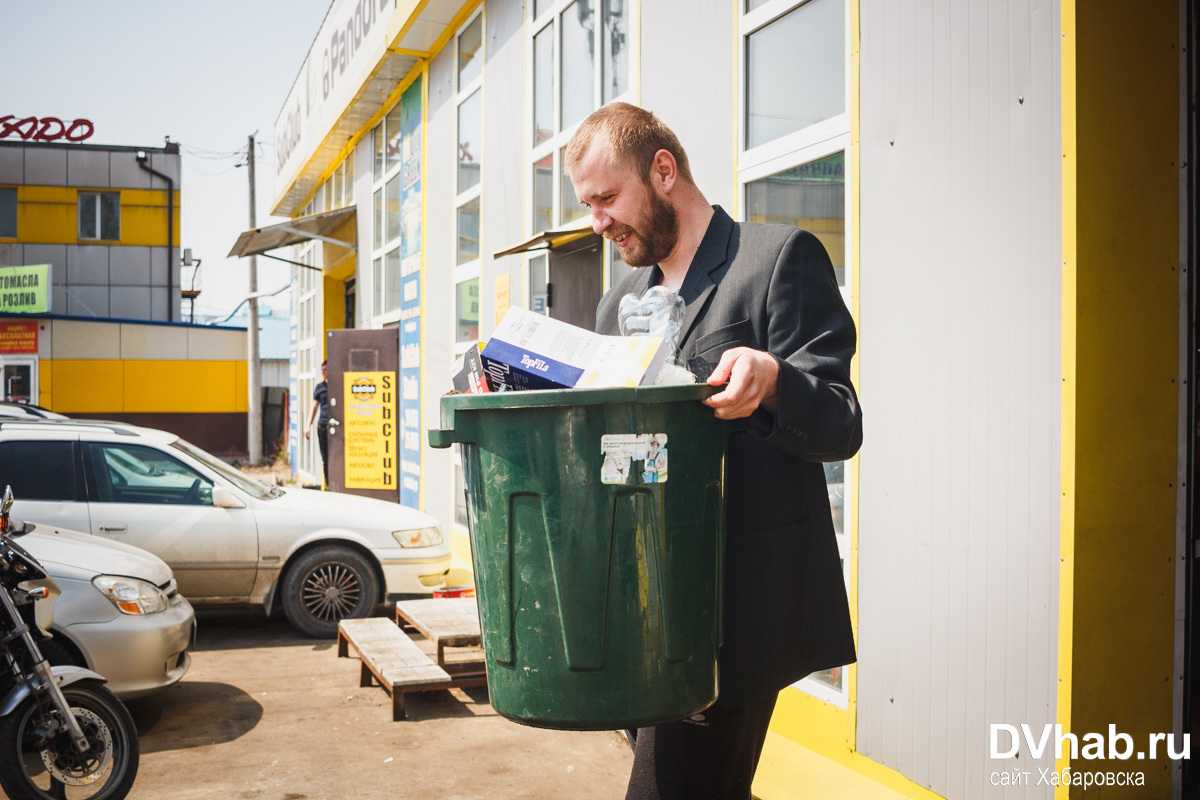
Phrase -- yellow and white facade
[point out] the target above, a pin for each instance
(105, 218)
(1007, 208)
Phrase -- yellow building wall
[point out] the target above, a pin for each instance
(1121, 311)
(50, 215)
(96, 386)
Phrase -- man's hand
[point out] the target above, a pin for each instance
(753, 381)
(307, 431)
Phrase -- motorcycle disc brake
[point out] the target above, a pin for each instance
(72, 767)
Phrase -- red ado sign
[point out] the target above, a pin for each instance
(46, 129)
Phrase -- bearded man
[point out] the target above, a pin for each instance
(764, 317)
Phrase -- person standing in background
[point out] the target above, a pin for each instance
(320, 411)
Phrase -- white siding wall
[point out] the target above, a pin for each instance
(960, 356)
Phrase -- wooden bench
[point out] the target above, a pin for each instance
(447, 622)
(393, 660)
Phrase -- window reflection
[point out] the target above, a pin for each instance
(571, 207)
(467, 328)
(811, 196)
(468, 232)
(537, 285)
(578, 62)
(470, 140)
(543, 193)
(543, 85)
(392, 127)
(615, 62)
(469, 42)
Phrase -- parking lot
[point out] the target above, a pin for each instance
(267, 713)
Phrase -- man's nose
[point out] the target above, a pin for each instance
(600, 221)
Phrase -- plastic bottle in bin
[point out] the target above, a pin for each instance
(657, 312)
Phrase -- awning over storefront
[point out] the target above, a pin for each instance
(317, 226)
(550, 239)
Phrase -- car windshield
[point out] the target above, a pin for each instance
(244, 482)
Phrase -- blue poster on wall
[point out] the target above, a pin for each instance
(410, 296)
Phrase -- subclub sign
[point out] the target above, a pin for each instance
(45, 129)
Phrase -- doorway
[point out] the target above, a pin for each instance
(576, 282)
(364, 412)
(20, 379)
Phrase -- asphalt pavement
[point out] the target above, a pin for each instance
(268, 714)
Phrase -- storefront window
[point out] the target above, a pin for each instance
(571, 207)
(391, 281)
(578, 62)
(470, 66)
(543, 193)
(795, 71)
(378, 235)
(377, 175)
(467, 311)
(470, 140)
(543, 85)
(811, 196)
(615, 50)
(468, 232)
(392, 210)
(392, 129)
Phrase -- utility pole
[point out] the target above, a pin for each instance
(253, 365)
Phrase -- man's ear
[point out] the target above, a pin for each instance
(663, 170)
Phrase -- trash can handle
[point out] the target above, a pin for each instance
(460, 431)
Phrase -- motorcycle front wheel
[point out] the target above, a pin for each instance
(59, 771)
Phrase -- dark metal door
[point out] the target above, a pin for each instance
(363, 407)
(576, 282)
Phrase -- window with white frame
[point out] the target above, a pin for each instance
(338, 189)
(100, 216)
(309, 350)
(794, 132)
(579, 60)
(385, 241)
(468, 179)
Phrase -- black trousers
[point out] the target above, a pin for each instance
(323, 444)
(710, 756)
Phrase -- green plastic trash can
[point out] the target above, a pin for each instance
(597, 529)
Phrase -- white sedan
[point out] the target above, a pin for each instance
(321, 556)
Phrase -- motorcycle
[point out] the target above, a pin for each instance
(63, 734)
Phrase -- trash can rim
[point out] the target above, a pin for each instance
(545, 398)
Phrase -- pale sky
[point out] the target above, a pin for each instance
(207, 73)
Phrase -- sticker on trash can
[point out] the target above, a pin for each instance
(622, 449)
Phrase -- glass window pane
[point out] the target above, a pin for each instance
(835, 482)
(468, 232)
(470, 140)
(469, 42)
(615, 49)
(338, 181)
(543, 85)
(391, 281)
(377, 283)
(392, 210)
(88, 202)
(378, 235)
(377, 175)
(811, 196)
(578, 62)
(8, 213)
(830, 677)
(467, 308)
(541, 7)
(392, 130)
(349, 179)
(571, 207)
(110, 216)
(543, 194)
(138, 474)
(753, 4)
(795, 71)
(537, 284)
(38, 470)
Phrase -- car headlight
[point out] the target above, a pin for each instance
(421, 537)
(130, 595)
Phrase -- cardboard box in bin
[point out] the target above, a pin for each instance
(532, 351)
(467, 375)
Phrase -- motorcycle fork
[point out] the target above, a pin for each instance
(45, 684)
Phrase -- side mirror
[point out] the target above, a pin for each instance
(222, 497)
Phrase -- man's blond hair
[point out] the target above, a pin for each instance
(634, 136)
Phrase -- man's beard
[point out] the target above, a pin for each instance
(656, 234)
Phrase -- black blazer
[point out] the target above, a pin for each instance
(772, 287)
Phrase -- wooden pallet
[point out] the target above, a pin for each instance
(447, 622)
(394, 661)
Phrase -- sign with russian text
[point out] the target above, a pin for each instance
(352, 37)
(18, 338)
(369, 427)
(25, 290)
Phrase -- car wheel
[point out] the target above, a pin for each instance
(328, 584)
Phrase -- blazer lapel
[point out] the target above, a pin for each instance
(699, 282)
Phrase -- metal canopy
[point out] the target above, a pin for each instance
(317, 226)
(550, 239)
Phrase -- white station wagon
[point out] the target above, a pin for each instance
(321, 556)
